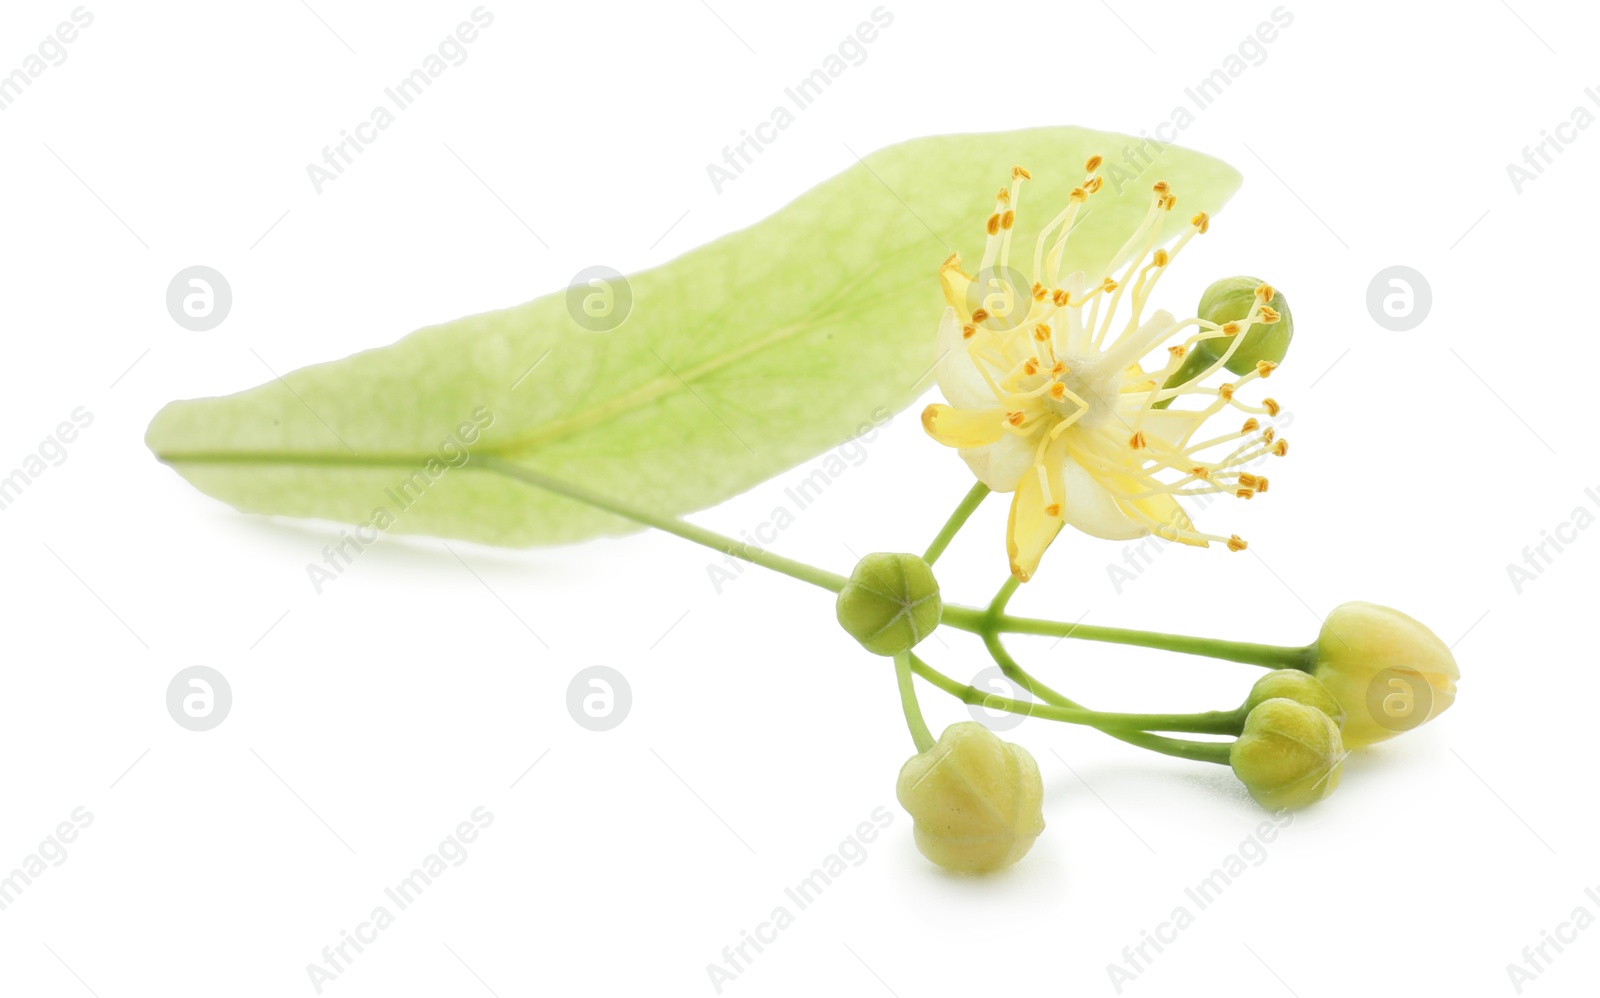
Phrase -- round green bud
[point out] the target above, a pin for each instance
(1290, 755)
(1231, 300)
(976, 801)
(1301, 687)
(890, 603)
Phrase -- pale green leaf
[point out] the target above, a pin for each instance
(739, 360)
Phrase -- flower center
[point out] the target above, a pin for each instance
(1084, 383)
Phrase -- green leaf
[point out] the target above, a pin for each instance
(739, 359)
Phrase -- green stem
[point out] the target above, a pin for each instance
(1017, 674)
(920, 735)
(1271, 656)
(672, 525)
(989, 623)
(997, 606)
(958, 519)
(1216, 722)
(1200, 751)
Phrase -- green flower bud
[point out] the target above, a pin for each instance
(1290, 755)
(1292, 684)
(976, 801)
(1389, 671)
(1231, 300)
(890, 603)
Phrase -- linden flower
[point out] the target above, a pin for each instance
(1053, 401)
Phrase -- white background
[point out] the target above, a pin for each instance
(372, 719)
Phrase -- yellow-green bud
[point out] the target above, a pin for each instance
(1290, 755)
(976, 800)
(1389, 671)
(1292, 684)
(890, 603)
(1231, 300)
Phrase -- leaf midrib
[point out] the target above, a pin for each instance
(663, 386)
(636, 399)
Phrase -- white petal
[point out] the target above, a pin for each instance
(959, 379)
(1002, 464)
(1090, 507)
